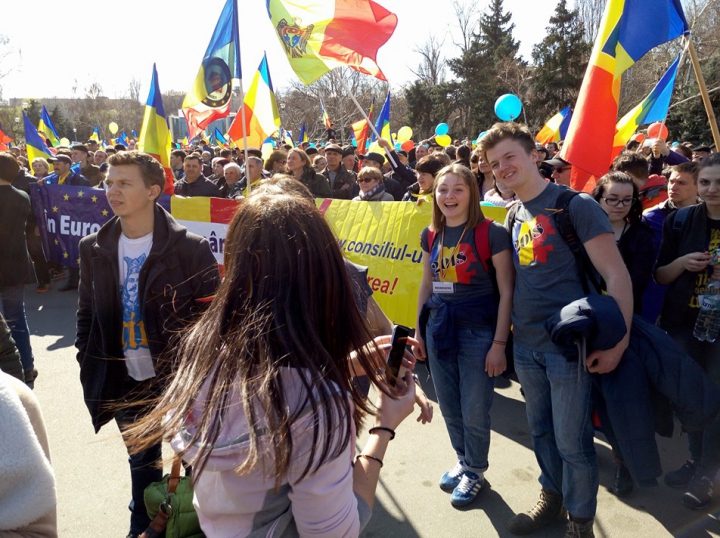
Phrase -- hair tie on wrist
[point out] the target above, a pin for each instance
(499, 342)
(383, 428)
(369, 457)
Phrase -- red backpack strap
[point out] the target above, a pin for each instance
(482, 243)
(431, 239)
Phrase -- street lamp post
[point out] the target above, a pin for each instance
(74, 134)
(17, 129)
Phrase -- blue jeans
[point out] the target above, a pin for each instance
(559, 413)
(465, 394)
(13, 310)
(145, 468)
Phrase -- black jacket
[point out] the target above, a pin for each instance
(342, 178)
(200, 187)
(14, 260)
(317, 183)
(692, 237)
(9, 356)
(177, 281)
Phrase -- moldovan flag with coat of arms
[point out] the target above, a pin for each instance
(628, 30)
(210, 96)
(320, 36)
(262, 117)
(154, 134)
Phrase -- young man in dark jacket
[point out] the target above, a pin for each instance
(143, 277)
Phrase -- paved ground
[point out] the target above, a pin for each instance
(93, 478)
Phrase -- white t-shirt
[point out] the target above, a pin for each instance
(132, 254)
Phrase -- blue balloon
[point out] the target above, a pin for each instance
(442, 129)
(312, 144)
(508, 107)
(481, 135)
(354, 142)
(397, 146)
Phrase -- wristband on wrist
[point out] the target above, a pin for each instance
(369, 457)
(383, 428)
(499, 342)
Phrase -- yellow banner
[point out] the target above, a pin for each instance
(385, 237)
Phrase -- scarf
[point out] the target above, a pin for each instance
(377, 189)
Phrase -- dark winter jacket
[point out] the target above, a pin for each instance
(177, 281)
(342, 178)
(9, 356)
(317, 183)
(200, 187)
(14, 213)
(652, 371)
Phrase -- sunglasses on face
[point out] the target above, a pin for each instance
(560, 170)
(365, 180)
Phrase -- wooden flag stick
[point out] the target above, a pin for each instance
(704, 94)
(347, 89)
(242, 117)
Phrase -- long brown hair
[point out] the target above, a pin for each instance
(286, 302)
(475, 214)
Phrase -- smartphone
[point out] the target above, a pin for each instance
(397, 350)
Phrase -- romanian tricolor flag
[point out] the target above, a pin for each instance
(34, 144)
(262, 117)
(209, 98)
(320, 36)
(303, 134)
(382, 125)
(628, 30)
(95, 134)
(327, 122)
(653, 108)
(47, 128)
(556, 127)
(154, 134)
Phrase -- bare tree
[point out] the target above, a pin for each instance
(432, 65)
(134, 89)
(591, 12)
(468, 17)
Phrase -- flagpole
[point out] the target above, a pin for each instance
(244, 131)
(347, 89)
(704, 93)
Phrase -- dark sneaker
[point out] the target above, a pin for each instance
(57, 275)
(623, 484)
(699, 492)
(450, 480)
(579, 530)
(548, 509)
(43, 288)
(467, 490)
(683, 476)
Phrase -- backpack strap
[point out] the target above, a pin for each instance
(565, 228)
(482, 243)
(679, 219)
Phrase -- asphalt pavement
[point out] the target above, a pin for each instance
(93, 478)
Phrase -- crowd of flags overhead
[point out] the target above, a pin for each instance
(322, 36)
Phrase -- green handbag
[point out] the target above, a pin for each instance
(170, 504)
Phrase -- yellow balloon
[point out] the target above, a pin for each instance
(64, 141)
(375, 147)
(404, 134)
(113, 127)
(443, 140)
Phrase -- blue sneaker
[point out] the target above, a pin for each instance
(467, 490)
(450, 480)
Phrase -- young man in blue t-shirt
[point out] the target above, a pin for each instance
(557, 392)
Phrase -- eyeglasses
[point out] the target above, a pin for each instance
(365, 180)
(560, 170)
(614, 202)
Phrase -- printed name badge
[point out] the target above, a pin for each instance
(443, 287)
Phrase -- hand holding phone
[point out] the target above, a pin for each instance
(397, 351)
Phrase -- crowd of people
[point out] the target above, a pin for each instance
(260, 378)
